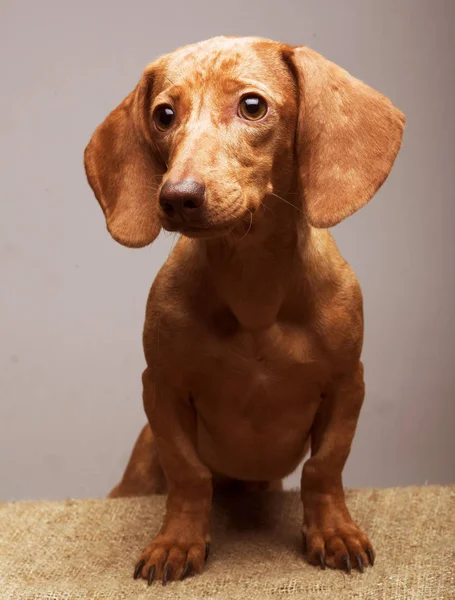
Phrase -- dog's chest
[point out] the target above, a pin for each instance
(279, 361)
(252, 388)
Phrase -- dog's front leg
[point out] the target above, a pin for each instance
(181, 547)
(330, 535)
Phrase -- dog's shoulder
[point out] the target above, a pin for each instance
(337, 302)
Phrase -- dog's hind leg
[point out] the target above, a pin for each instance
(143, 475)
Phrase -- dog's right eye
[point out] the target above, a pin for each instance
(164, 117)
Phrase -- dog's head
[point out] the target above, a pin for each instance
(216, 129)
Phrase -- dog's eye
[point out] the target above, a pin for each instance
(252, 108)
(164, 117)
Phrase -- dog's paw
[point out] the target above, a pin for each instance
(345, 547)
(169, 558)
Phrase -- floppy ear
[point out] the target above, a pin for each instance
(347, 139)
(122, 169)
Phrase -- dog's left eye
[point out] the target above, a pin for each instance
(252, 107)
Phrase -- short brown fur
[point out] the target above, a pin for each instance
(254, 325)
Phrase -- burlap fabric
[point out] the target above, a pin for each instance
(87, 549)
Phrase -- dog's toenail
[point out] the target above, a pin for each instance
(370, 555)
(167, 574)
(151, 575)
(347, 563)
(188, 570)
(138, 569)
(360, 564)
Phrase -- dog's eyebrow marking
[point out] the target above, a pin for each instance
(173, 93)
(254, 83)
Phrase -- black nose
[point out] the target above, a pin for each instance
(182, 198)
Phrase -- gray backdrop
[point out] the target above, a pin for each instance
(72, 300)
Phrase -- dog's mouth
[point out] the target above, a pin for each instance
(209, 230)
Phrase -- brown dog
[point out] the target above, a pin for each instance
(250, 149)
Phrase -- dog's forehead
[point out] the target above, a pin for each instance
(207, 62)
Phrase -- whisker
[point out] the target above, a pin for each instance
(154, 189)
(249, 228)
(161, 156)
(264, 206)
(287, 202)
(248, 178)
(174, 235)
(287, 193)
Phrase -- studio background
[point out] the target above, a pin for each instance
(72, 300)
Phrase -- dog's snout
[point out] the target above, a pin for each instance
(182, 198)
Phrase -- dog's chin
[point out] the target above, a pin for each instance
(204, 234)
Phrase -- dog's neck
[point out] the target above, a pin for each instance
(252, 270)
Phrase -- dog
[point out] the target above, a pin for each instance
(250, 149)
